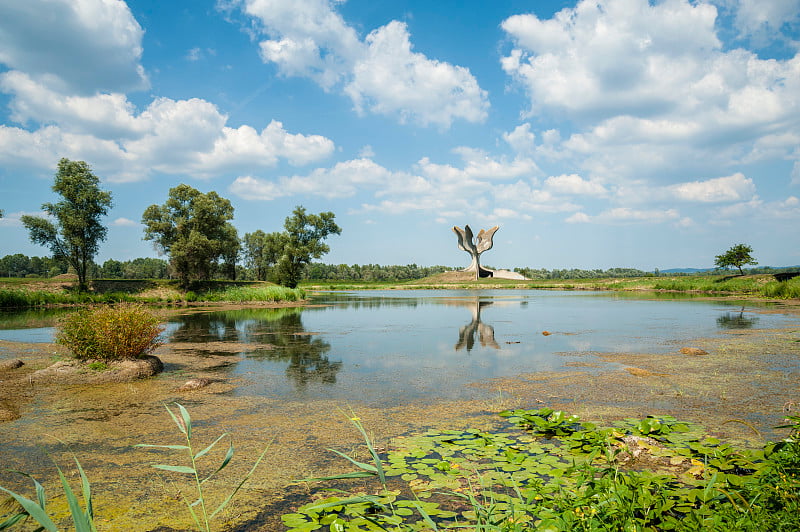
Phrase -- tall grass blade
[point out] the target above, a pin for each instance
(187, 420)
(239, 486)
(174, 447)
(179, 422)
(13, 520)
(81, 521)
(175, 468)
(34, 510)
(362, 465)
(86, 488)
(225, 462)
(207, 449)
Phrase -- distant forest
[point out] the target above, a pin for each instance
(20, 265)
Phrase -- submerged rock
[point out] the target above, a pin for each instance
(11, 364)
(694, 351)
(195, 384)
(7, 415)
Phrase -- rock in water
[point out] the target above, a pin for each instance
(11, 364)
(694, 351)
(195, 384)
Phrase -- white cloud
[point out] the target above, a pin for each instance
(651, 89)
(172, 136)
(13, 219)
(80, 46)
(366, 152)
(522, 140)
(392, 80)
(310, 38)
(626, 216)
(736, 187)
(795, 175)
(527, 198)
(343, 180)
(125, 222)
(763, 20)
(575, 185)
(380, 74)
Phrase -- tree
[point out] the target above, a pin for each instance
(302, 241)
(194, 230)
(76, 232)
(262, 251)
(738, 256)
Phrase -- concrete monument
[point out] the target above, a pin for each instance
(482, 243)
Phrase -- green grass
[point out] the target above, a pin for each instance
(242, 294)
(19, 294)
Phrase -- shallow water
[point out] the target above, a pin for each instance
(405, 361)
(389, 346)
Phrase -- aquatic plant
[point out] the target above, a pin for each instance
(201, 515)
(558, 473)
(110, 332)
(82, 518)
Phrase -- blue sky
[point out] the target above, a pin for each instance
(594, 133)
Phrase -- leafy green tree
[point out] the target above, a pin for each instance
(302, 241)
(75, 233)
(262, 251)
(194, 230)
(738, 256)
(112, 269)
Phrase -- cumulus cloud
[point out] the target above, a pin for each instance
(722, 189)
(125, 222)
(651, 88)
(80, 46)
(626, 215)
(171, 136)
(342, 180)
(392, 80)
(68, 75)
(381, 74)
(574, 184)
(763, 21)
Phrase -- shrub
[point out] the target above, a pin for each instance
(110, 333)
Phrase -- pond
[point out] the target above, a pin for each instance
(388, 346)
(402, 361)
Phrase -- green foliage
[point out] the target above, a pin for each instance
(737, 256)
(262, 251)
(302, 241)
(194, 230)
(77, 232)
(82, 518)
(561, 474)
(201, 514)
(241, 294)
(110, 333)
(370, 272)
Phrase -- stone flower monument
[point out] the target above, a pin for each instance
(482, 243)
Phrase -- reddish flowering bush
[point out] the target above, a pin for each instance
(110, 332)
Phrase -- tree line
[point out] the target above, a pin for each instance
(191, 228)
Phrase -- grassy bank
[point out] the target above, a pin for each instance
(38, 293)
(746, 285)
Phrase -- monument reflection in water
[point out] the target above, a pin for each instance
(391, 346)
